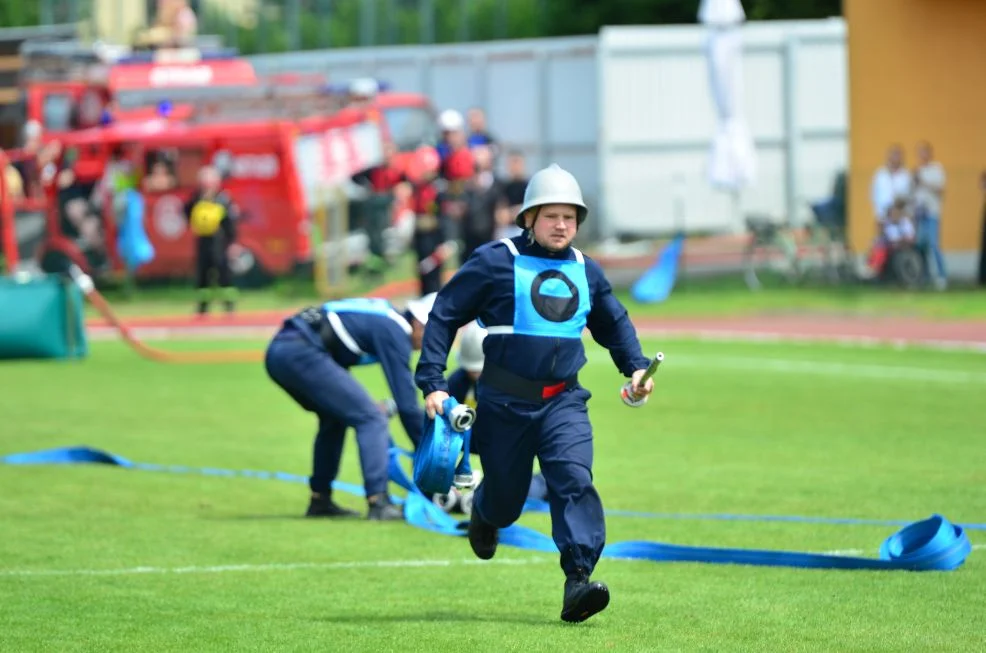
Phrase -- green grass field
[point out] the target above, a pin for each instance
(96, 558)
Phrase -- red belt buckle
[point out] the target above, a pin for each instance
(550, 391)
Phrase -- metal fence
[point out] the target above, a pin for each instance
(657, 121)
(630, 113)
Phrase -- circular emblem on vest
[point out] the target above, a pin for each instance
(554, 296)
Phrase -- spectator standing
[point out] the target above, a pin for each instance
(479, 133)
(890, 182)
(513, 190)
(929, 188)
(483, 198)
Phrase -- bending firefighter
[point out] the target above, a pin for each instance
(535, 294)
(310, 358)
(212, 218)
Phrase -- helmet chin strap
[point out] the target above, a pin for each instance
(530, 230)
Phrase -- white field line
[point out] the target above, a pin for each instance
(329, 566)
(204, 332)
(820, 368)
(747, 363)
(293, 566)
(769, 337)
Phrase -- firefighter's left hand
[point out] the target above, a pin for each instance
(234, 251)
(641, 391)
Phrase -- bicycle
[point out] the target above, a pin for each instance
(815, 253)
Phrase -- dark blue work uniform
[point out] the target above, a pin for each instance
(534, 304)
(310, 359)
(462, 388)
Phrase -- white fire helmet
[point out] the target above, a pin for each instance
(451, 120)
(421, 308)
(471, 355)
(552, 185)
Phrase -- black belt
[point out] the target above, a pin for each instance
(526, 389)
(317, 320)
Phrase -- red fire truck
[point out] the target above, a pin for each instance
(274, 172)
(198, 107)
(69, 86)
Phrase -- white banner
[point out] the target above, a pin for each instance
(328, 159)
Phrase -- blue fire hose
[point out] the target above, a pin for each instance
(932, 544)
(441, 459)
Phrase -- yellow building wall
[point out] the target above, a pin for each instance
(917, 70)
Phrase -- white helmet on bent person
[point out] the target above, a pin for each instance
(471, 356)
(421, 308)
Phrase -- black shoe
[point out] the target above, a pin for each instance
(583, 598)
(483, 537)
(381, 509)
(324, 506)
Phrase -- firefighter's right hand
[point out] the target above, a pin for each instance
(434, 403)
(445, 251)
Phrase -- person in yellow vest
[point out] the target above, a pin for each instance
(212, 219)
(13, 181)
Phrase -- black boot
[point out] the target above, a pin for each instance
(583, 598)
(381, 509)
(483, 537)
(322, 505)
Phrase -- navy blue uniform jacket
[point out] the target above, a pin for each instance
(484, 288)
(385, 339)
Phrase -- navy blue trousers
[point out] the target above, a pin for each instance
(509, 433)
(319, 384)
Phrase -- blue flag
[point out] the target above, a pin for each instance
(655, 285)
(132, 243)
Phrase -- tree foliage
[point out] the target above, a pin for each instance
(18, 13)
(350, 23)
(587, 16)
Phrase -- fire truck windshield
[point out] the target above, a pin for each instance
(410, 127)
(56, 112)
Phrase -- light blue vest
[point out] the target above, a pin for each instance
(551, 298)
(362, 305)
(367, 305)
